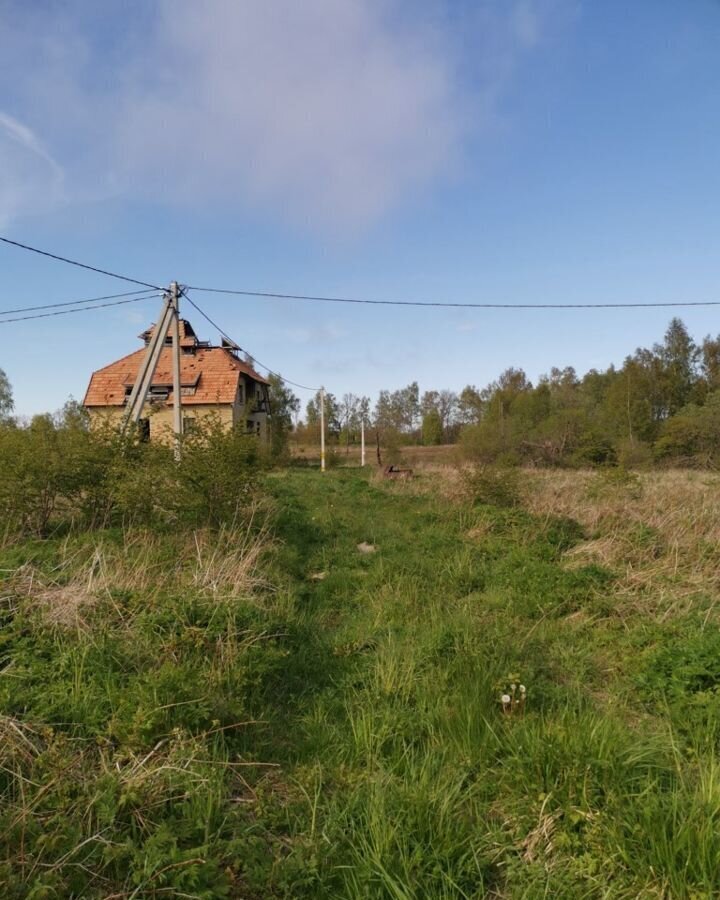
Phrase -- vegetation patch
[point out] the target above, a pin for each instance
(191, 711)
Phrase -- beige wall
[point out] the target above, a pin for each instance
(161, 417)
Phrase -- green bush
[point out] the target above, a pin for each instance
(614, 480)
(493, 486)
(58, 474)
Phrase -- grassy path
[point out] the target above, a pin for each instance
(182, 714)
(413, 782)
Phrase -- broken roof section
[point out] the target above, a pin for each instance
(208, 375)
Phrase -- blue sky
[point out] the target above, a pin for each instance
(516, 151)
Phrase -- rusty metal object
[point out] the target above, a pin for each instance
(395, 472)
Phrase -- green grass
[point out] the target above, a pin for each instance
(330, 725)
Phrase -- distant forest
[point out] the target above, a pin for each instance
(662, 404)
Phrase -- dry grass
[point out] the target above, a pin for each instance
(660, 531)
(220, 564)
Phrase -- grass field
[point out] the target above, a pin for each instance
(310, 705)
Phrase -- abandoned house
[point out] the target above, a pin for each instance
(213, 380)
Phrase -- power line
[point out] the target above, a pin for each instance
(303, 387)
(73, 262)
(7, 312)
(66, 312)
(453, 305)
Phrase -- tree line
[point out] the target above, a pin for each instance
(662, 403)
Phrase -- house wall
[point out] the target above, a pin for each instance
(255, 422)
(161, 417)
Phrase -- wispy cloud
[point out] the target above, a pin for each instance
(327, 112)
(30, 178)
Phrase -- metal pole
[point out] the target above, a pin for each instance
(322, 429)
(362, 441)
(177, 393)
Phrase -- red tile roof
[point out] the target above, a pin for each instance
(213, 372)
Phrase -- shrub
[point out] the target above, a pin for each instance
(481, 443)
(62, 474)
(217, 473)
(613, 481)
(633, 454)
(492, 485)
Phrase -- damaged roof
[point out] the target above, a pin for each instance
(208, 375)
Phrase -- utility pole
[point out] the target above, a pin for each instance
(177, 391)
(138, 395)
(362, 441)
(167, 321)
(322, 429)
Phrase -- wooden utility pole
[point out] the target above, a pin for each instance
(322, 429)
(362, 440)
(169, 318)
(138, 395)
(177, 391)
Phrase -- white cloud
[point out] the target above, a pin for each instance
(30, 179)
(325, 112)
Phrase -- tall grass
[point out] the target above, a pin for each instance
(196, 713)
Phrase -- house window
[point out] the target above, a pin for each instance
(144, 430)
(189, 425)
(158, 394)
(240, 395)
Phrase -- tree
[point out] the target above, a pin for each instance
(350, 417)
(442, 404)
(447, 408)
(432, 428)
(470, 406)
(679, 356)
(332, 415)
(6, 398)
(283, 404)
(73, 415)
(398, 410)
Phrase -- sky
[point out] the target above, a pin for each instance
(509, 151)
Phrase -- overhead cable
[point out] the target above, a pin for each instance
(7, 312)
(67, 312)
(451, 304)
(73, 262)
(224, 334)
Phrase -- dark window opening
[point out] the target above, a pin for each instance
(144, 429)
(158, 393)
(189, 425)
